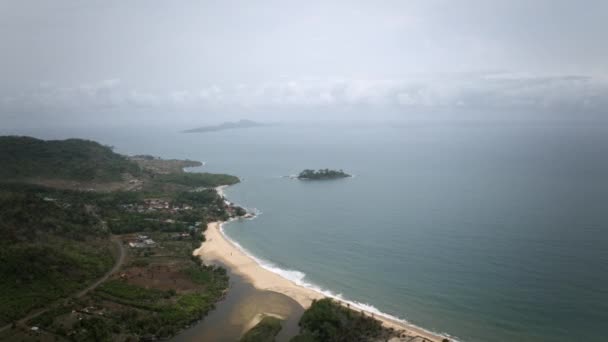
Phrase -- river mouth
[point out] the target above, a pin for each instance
(240, 309)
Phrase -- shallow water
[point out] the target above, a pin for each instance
(228, 321)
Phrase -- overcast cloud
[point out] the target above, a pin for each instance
(206, 61)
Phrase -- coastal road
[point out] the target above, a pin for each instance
(119, 261)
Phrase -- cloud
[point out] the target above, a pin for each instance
(49, 96)
(480, 91)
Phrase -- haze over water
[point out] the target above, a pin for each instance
(489, 232)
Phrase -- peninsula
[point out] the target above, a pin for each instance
(97, 246)
(322, 174)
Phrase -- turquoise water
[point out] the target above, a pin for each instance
(489, 232)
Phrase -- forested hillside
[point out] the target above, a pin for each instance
(48, 249)
(56, 241)
(71, 159)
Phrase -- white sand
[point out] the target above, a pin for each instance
(218, 248)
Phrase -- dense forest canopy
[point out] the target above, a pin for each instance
(55, 240)
(328, 320)
(71, 159)
(48, 249)
(322, 174)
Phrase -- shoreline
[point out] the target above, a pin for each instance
(217, 247)
(220, 248)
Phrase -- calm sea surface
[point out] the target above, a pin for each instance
(489, 232)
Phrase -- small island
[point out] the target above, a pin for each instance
(226, 125)
(322, 174)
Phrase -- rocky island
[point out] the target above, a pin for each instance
(322, 174)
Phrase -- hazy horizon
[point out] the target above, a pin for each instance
(475, 131)
(193, 63)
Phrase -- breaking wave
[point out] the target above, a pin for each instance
(298, 278)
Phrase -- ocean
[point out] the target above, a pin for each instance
(484, 231)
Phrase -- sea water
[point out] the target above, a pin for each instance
(484, 231)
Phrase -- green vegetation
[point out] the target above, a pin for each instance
(162, 313)
(198, 180)
(129, 307)
(322, 174)
(72, 159)
(203, 275)
(46, 318)
(55, 242)
(25, 214)
(156, 165)
(265, 331)
(145, 157)
(204, 197)
(205, 205)
(327, 320)
(48, 250)
(121, 289)
(92, 329)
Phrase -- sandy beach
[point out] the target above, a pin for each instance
(218, 248)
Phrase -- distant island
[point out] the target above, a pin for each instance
(226, 125)
(322, 174)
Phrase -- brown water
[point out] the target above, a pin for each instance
(229, 320)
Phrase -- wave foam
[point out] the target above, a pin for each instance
(298, 278)
(255, 211)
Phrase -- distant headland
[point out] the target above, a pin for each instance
(226, 125)
(322, 174)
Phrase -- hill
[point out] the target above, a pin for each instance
(56, 242)
(24, 158)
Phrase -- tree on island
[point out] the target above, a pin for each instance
(322, 174)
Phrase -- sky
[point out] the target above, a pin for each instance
(199, 62)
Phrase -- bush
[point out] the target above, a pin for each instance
(265, 331)
(327, 320)
(121, 289)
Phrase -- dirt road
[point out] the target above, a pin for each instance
(119, 261)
